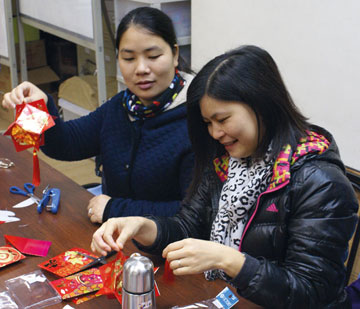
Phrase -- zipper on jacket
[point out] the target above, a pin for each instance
(256, 208)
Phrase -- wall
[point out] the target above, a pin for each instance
(3, 36)
(316, 45)
(74, 16)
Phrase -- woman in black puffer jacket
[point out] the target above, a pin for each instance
(269, 192)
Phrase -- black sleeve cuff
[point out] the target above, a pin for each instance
(154, 249)
(251, 265)
(107, 209)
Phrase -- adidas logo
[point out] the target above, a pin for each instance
(272, 208)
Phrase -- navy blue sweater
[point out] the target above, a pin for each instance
(147, 165)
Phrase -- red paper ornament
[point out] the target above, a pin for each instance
(111, 274)
(31, 121)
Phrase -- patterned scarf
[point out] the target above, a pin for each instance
(243, 184)
(245, 181)
(136, 109)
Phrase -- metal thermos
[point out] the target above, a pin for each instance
(138, 283)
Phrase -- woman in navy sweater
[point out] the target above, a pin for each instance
(140, 134)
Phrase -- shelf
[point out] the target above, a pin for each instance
(184, 40)
(178, 10)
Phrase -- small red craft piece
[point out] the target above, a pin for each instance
(168, 273)
(31, 121)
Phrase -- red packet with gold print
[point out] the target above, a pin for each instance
(111, 273)
(9, 255)
(69, 262)
(81, 283)
(84, 298)
(31, 121)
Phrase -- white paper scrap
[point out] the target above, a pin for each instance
(8, 216)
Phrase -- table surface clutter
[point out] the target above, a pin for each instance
(70, 228)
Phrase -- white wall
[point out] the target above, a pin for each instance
(74, 16)
(3, 35)
(316, 44)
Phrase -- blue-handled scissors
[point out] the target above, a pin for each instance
(29, 191)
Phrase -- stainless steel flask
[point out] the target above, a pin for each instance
(138, 283)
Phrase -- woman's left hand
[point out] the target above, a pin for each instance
(194, 256)
(96, 207)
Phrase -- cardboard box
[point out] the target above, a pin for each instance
(35, 54)
(6, 118)
(86, 59)
(37, 76)
(82, 90)
(62, 57)
(42, 77)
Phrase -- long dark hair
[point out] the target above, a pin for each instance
(157, 23)
(248, 75)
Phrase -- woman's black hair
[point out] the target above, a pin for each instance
(248, 75)
(157, 23)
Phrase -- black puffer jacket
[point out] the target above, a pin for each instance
(296, 242)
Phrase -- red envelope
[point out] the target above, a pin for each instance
(111, 273)
(9, 255)
(28, 245)
(81, 283)
(69, 262)
(31, 121)
(84, 298)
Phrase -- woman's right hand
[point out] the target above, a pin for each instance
(115, 232)
(25, 92)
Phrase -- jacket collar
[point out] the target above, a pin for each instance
(313, 143)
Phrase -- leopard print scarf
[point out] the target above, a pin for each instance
(246, 180)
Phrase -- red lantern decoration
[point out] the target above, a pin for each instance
(31, 121)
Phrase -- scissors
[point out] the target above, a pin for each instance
(100, 260)
(29, 191)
